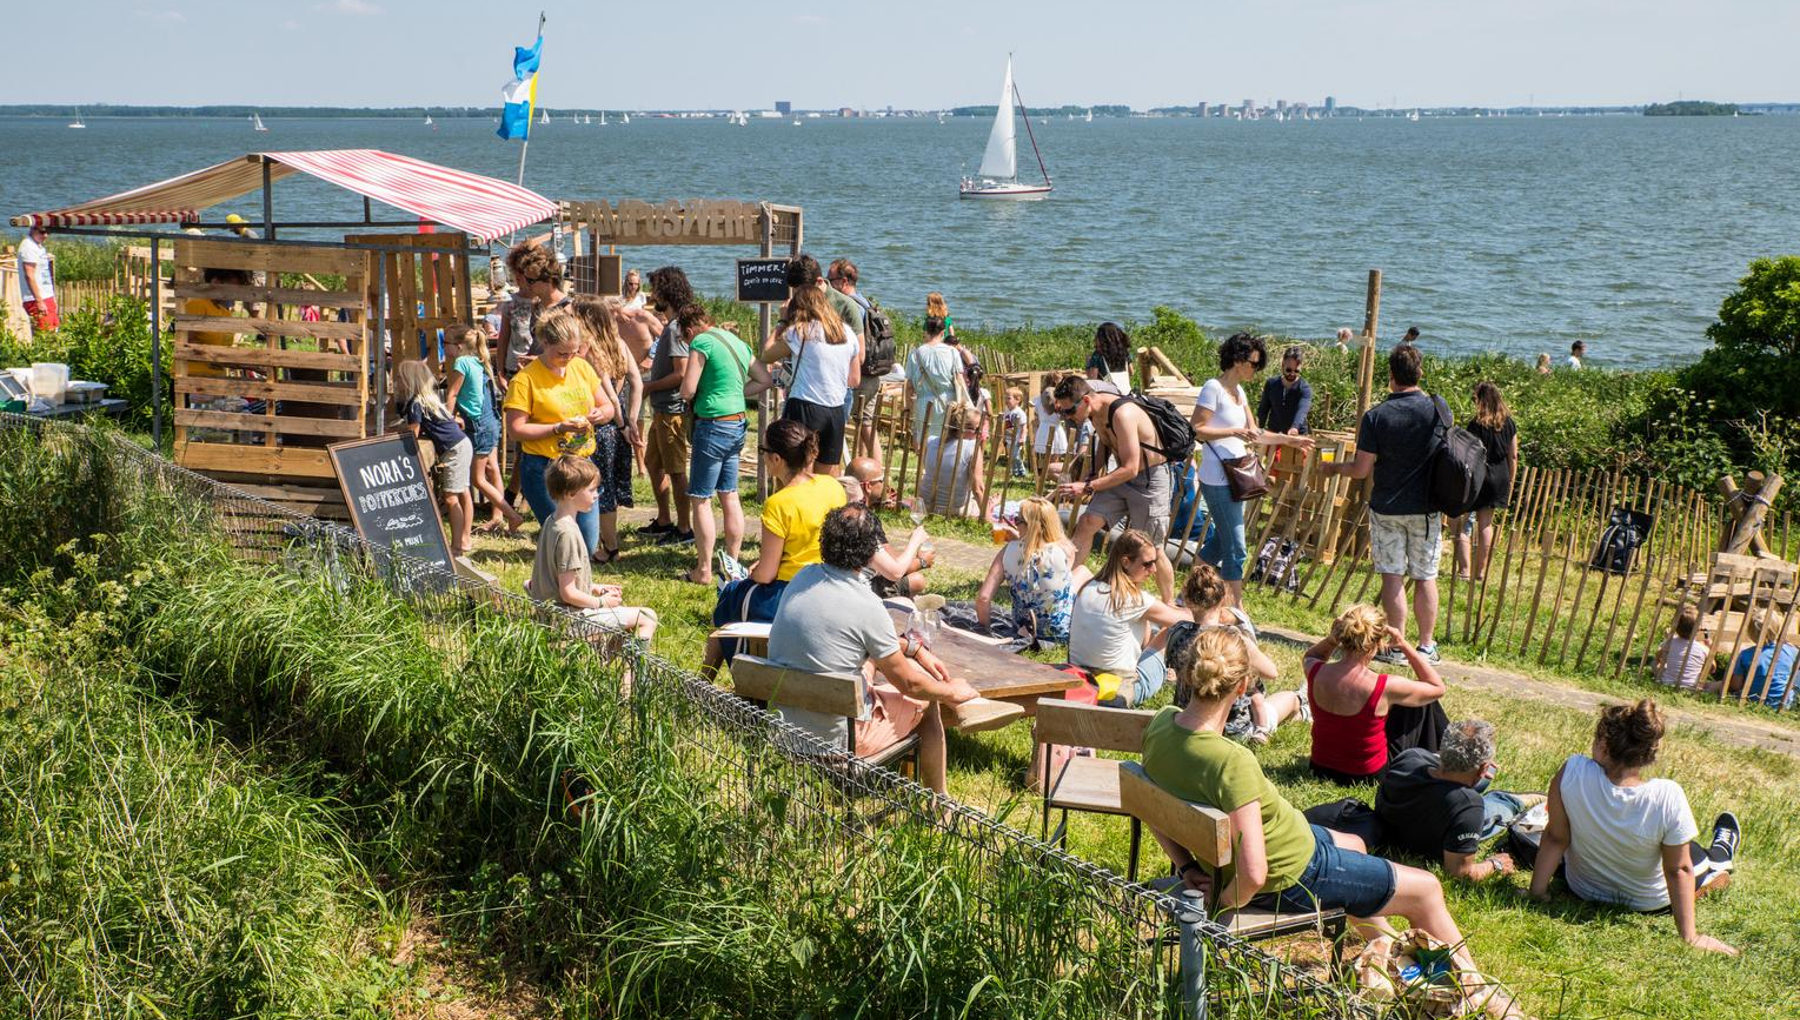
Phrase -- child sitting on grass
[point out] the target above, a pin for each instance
(1255, 714)
(1684, 659)
(561, 573)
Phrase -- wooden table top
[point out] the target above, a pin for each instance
(992, 670)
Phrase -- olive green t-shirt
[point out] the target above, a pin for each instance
(560, 549)
(1212, 769)
(722, 379)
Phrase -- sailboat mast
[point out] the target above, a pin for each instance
(1028, 134)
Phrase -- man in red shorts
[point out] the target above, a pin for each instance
(37, 283)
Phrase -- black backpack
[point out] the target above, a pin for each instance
(879, 354)
(1458, 466)
(1174, 433)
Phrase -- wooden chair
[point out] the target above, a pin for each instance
(1207, 834)
(838, 694)
(1083, 783)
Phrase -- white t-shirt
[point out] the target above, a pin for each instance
(1227, 413)
(1684, 662)
(821, 370)
(1616, 835)
(1574, 363)
(1102, 640)
(1051, 436)
(34, 254)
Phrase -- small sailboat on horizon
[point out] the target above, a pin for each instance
(998, 177)
(256, 123)
(544, 116)
(428, 122)
(78, 123)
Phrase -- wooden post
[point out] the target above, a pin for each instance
(1745, 512)
(765, 248)
(1365, 377)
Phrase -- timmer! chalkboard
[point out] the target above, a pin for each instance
(762, 280)
(389, 494)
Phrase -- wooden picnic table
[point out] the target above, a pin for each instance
(998, 674)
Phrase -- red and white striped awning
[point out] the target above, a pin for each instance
(482, 207)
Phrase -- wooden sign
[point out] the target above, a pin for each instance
(762, 280)
(695, 221)
(388, 491)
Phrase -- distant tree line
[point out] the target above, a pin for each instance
(1691, 108)
(1111, 110)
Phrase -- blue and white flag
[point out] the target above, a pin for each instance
(520, 94)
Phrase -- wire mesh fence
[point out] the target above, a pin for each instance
(948, 898)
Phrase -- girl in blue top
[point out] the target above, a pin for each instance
(470, 387)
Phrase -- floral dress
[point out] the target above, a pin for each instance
(1043, 588)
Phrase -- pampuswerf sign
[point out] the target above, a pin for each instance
(693, 221)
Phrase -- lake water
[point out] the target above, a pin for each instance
(1513, 234)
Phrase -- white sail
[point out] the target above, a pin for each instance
(1001, 160)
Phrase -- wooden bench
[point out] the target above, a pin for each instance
(1206, 832)
(835, 694)
(1079, 782)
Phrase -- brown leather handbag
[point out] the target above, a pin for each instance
(1246, 476)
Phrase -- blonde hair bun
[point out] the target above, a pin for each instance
(1360, 630)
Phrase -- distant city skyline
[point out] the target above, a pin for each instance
(930, 54)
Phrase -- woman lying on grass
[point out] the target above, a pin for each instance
(1281, 862)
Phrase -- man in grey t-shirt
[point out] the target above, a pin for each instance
(666, 441)
(830, 622)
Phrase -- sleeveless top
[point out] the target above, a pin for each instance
(1355, 745)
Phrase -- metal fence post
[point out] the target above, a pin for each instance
(1193, 955)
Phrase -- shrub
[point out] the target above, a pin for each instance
(110, 346)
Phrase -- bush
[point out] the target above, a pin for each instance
(111, 346)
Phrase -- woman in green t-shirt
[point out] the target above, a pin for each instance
(1280, 862)
(721, 372)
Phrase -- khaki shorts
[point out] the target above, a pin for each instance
(865, 400)
(666, 444)
(1143, 503)
(1409, 544)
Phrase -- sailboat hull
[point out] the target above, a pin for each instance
(1003, 191)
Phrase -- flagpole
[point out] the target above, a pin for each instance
(526, 147)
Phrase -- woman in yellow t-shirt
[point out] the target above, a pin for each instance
(791, 521)
(551, 406)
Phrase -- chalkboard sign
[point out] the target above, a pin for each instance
(389, 494)
(762, 280)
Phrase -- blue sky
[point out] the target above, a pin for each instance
(914, 53)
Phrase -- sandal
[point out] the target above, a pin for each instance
(602, 556)
(490, 528)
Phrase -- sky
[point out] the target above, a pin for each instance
(920, 54)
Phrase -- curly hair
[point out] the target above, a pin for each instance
(1215, 666)
(670, 289)
(794, 443)
(1114, 346)
(1360, 630)
(848, 539)
(1468, 745)
(1204, 589)
(1631, 734)
(531, 262)
(1242, 347)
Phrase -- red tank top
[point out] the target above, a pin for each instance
(1355, 745)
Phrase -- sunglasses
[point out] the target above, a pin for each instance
(1143, 564)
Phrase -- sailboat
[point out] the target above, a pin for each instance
(544, 117)
(428, 122)
(624, 118)
(78, 122)
(998, 177)
(1089, 118)
(602, 118)
(256, 123)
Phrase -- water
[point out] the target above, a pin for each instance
(1514, 234)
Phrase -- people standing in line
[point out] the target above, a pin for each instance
(827, 364)
(417, 405)
(791, 519)
(539, 279)
(1355, 725)
(1226, 430)
(830, 622)
(933, 372)
(1577, 354)
(631, 291)
(1136, 491)
(37, 280)
(1394, 443)
(550, 408)
(1618, 837)
(721, 372)
(561, 572)
(471, 392)
(621, 385)
(666, 449)
(1111, 357)
(1499, 435)
(1429, 805)
(842, 278)
(1543, 363)
(1280, 862)
(1040, 571)
(639, 327)
(1257, 714)
(1109, 622)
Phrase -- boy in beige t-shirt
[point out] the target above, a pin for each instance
(561, 571)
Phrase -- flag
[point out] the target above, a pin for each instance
(519, 96)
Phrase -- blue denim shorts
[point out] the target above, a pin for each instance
(713, 457)
(1360, 884)
(485, 434)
